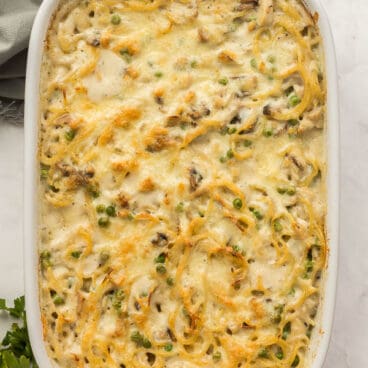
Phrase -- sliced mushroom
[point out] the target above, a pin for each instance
(199, 112)
(171, 335)
(267, 110)
(75, 177)
(157, 140)
(195, 179)
(173, 120)
(161, 240)
(123, 200)
(246, 5)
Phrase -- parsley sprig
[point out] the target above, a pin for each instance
(15, 350)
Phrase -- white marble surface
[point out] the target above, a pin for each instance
(349, 345)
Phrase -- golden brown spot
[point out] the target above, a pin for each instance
(132, 72)
(126, 115)
(227, 56)
(147, 185)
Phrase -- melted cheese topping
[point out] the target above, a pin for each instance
(182, 190)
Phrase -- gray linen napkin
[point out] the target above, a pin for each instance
(16, 17)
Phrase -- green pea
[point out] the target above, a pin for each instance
(230, 153)
(115, 19)
(309, 266)
(126, 54)
(263, 353)
(45, 259)
(76, 254)
(247, 143)
(146, 343)
(236, 248)
(290, 191)
(160, 258)
(168, 347)
(237, 203)
(193, 64)
(110, 211)
(294, 100)
(161, 269)
(277, 225)
(93, 191)
(281, 190)
(179, 207)
(100, 208)
(44, 171)
(223, 130)
(70, 134)
(103, 222)
(268, 132)
(216, 356)
(286, 190)
(253, 63)
(159, 74)
(117, 299)
(271, 59)
(276, 318)
(231, 130)
(256, 213)
(136, 337)
(170, 281)
(279, 355)
(58, 300)
(224, 81)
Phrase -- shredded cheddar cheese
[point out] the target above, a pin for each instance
(182, 184)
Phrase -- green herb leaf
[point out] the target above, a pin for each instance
(16, 350)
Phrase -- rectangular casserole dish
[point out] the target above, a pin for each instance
(319, 344)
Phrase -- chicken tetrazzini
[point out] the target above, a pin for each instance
(182, 183)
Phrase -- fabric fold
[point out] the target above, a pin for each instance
(16, 18)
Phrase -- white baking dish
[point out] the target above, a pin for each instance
(322, 333)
